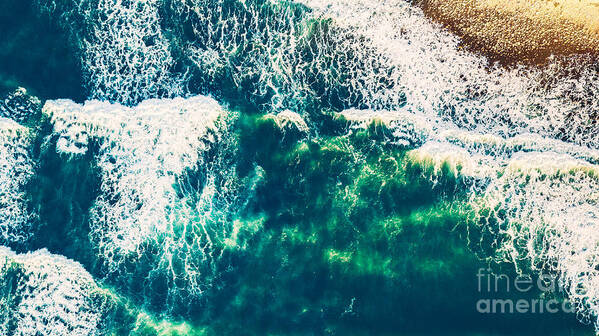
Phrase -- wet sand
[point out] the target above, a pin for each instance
(521, 31)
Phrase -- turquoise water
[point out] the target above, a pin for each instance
(263, 167)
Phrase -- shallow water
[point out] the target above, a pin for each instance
(260, 167)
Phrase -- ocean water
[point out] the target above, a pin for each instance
(262, 167)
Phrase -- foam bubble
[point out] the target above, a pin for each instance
(19, 106)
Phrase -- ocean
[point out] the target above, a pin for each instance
(313, 167)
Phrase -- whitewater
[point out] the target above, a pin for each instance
(523, 142)
(504, 129)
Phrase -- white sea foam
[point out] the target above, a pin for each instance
(169, 186)
(19, 106)
(16, 169)
(125, 56)
(440, 79)
(526, 136)
(288, 121)
(409, 130)
(546, 207)
(45, 294)
(282, 55)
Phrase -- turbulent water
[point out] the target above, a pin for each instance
(271, 167)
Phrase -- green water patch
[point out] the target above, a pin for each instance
(355, 237)
(10, 273)
(359, 240)
(36, 53)
(352, 225)
(64, 192)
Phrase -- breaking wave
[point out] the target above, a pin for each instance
(16, 169)
(523, 142)
(534, 198)
(170, 191)
(537, 193)
(324, 55)
(45, 294)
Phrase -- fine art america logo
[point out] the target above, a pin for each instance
(491, 286)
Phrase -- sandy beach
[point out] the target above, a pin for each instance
(521, 31)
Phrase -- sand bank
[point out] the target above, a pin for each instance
(526, 31)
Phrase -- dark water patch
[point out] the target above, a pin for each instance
(35, 53)
(61, 192)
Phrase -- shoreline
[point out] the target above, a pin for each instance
(520, 31)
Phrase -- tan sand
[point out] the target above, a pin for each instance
(522, 31)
